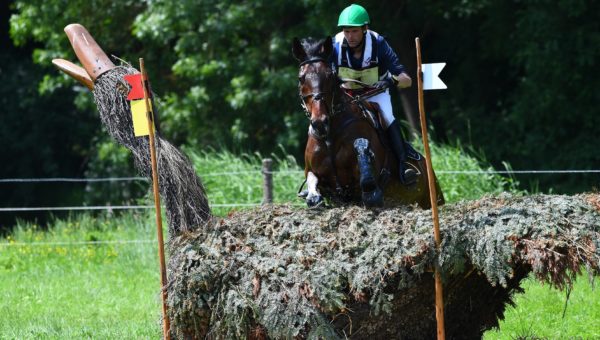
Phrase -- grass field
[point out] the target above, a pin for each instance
(97, 276)
(54, 289)
(538, 313)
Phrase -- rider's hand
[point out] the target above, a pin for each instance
(402, 80)
(383, 84)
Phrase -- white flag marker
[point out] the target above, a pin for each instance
(431, 79)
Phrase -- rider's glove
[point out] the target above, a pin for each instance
(384, 83)
(402, 80)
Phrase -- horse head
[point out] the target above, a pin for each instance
(316, 82)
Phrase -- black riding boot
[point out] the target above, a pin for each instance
(408, 175)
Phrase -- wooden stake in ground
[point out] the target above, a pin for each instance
(439, 293)
(159, 229)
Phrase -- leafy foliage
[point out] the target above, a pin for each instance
(34, 138)
(234, 60)
(525, 72)
(291, 272)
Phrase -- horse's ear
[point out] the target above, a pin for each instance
(327, 47)
(298, 50)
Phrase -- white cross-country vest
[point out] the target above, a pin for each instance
(369, 71)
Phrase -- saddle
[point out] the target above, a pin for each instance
(372, 112)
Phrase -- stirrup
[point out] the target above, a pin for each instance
(408, 175)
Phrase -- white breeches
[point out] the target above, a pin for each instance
(385, 103)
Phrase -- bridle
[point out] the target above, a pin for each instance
(316, 96)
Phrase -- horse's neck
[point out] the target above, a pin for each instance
(347, 111)
(347, 108)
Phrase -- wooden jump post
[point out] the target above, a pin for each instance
(439, 293)
(159, 229)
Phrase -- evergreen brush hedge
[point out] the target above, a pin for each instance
(278, 272)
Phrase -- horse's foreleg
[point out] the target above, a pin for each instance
(314, 198)
(372, 195)
(365, 160)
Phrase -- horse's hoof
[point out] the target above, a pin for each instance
(373, 199)
(314, 201)
(303, 194)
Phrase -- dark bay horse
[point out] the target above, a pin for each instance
(345, 157)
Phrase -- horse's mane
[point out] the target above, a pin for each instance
(313, 48)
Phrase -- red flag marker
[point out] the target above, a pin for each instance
(137, 90)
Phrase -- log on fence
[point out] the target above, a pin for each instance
(280, 272)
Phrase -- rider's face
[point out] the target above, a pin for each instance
(354, 35)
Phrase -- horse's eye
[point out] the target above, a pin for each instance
(301, 78)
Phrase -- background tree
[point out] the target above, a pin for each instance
(521, 78)
(34, 132)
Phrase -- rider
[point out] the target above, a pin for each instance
(364, 55)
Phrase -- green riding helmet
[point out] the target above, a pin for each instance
(353, 15)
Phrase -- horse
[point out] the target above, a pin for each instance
(346, 159)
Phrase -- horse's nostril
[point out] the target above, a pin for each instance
(314, 124)
(321, 123)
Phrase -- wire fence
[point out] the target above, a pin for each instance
(76, 243)
(260, 172)
(264, 172)
(116, 207)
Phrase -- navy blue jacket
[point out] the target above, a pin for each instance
(382, 55)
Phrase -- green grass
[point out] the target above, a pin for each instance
(72, 291)
(538, 313)
(231, 179)
(52, 290)
(466, 186)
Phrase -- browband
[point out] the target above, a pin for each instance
(312, 60)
